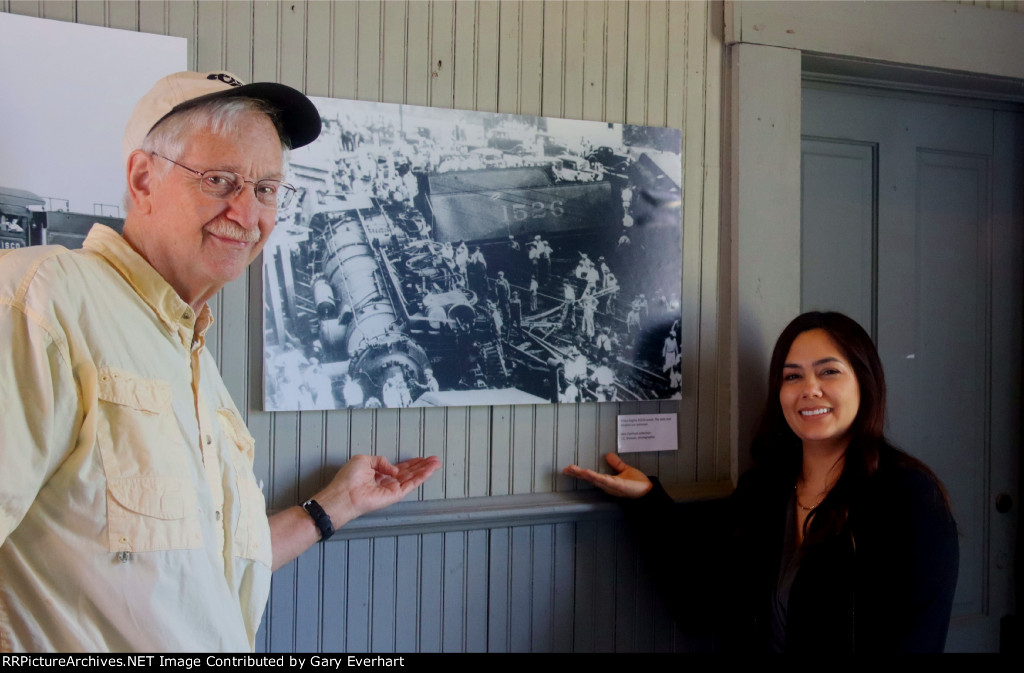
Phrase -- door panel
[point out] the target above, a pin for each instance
(946, 412)
(837, 263)
(935, 267)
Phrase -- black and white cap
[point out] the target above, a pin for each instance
(299, 117)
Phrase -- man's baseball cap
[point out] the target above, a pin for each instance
(299, 117)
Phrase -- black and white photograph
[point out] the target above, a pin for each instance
(437, 257)
(63, 115)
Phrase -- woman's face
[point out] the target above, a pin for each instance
(819, 394)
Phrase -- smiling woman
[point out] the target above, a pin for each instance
(820, 399)
(836, 542)
(819, 394)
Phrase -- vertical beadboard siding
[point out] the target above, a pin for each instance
(701, 200)
(570, 585)
(546, 588)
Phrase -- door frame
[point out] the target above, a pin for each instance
(901, 46)
(895, 44)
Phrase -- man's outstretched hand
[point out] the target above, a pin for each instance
(369, 483)
(363, 485)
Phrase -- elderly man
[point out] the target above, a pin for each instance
(130, 517)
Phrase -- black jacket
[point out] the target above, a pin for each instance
(884, 584)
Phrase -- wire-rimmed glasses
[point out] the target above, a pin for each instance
(227, 185)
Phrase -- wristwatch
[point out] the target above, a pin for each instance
(320, 518)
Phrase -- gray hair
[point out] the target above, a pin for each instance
(221, 116)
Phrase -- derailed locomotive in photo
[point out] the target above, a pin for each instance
(386, 311)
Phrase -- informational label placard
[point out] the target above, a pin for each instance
(647, 432)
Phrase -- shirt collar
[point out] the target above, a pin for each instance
(147, 282)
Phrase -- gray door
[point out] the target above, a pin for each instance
(911, 223)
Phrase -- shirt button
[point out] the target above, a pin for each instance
(217, 515)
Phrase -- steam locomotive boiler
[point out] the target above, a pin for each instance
(360, 318)
(361, 285)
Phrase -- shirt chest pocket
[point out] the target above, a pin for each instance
(151, 496)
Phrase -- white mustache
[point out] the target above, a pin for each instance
(233, 232)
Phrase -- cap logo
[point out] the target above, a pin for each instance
(224, 77)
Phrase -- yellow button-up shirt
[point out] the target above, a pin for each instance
(130, 518)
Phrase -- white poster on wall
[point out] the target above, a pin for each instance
(67, 90)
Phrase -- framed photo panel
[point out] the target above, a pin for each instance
(437, 257)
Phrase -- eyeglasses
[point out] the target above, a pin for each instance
(228, 185)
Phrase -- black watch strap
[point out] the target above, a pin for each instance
(320, 518)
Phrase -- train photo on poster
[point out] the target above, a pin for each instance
(438, 257)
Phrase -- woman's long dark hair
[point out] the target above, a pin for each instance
(776, 447)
